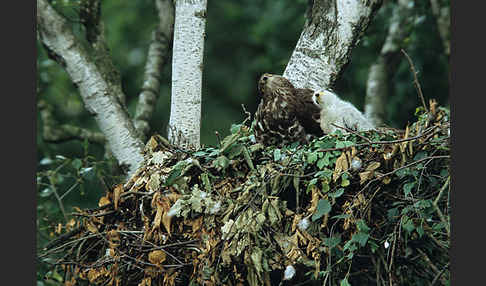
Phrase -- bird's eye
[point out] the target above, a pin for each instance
(264, 78)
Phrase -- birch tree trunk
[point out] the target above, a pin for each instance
(381, 72)
(442, 14)
(324, 47)
(101, 97)
(187, 65)
(157, 56)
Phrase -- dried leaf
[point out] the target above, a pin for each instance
(365, 176)
(91, 227)
(373, 166)
(314, 200)
(158, 217)
(341, 166)
(157, 257)
(147, 281)
(104, 201)
(116, 195)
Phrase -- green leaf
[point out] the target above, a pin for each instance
(312, 157)
(392, 214)
(344, 282)
(408, 224)
(362, 226)
(77, 164)
(343, 216)
(324, 161)
(342, 144)
(256, 257)
(337, 193)
(174, 174)
(323, 207)
(325, 187)
(235, 128)
(235, 151)
(420, 155)
(325, 173)
(420, 231)
(221, 163)
(332, 241)
(199, 153)
(344, 180)
(407, 188)
(360, 237)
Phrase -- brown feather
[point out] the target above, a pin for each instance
(285, 114)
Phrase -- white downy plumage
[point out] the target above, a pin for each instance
(339, 112)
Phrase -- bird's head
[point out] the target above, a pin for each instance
(272, 83)
(322, 97)
(263, 82)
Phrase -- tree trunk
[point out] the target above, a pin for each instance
(100, 97)
(157, 56)
(324, 47)
(383, 70)
(442, 14)
(187, 66)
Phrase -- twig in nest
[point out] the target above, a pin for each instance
(248, 114)
(416, 82)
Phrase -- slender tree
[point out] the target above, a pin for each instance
(98, 84)
(441, 11)
(187, 66)
(385, 66)
(157, 56)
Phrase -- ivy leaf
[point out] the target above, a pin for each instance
(221, 162)
(420, 155)
(407, 188)
(392, 214)
(235, 128)
(235, 151)
(332, 241)
(343, 144)
(76, 163)
(344, 180)
(324, 161)
(323, 207)
(362, 227)
(344, 282)
(360, 237)
(408, 224)
(312, 157)
(337, 193)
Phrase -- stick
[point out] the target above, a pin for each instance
(416, 82)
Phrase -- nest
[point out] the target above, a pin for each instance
(350, 209)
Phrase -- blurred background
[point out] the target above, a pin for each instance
(244, 40)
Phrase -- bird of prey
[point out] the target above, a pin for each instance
(285, 114)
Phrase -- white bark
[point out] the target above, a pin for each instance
(325, 45)
(385, 66)
(187, 66)
(441, 12)
(96, 92)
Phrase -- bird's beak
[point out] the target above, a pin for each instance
(317, 98)
(262, 82)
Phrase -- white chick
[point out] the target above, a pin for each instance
(339, 112)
